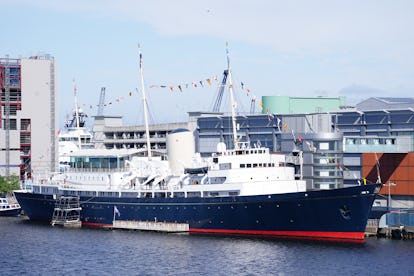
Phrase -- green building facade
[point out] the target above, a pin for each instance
(294, 105)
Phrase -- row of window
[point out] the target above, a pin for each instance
(24, 123)
(156, 194)
(370, 141)
(259, 165)
(132, 135)
(96, 162)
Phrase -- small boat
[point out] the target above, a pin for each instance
(9, 208)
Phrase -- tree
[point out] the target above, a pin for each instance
(7, 185)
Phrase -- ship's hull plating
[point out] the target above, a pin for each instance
(336, 214)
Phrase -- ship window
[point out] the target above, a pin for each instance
(179, 194)
(249, 165)
(254, 165)
(225, 166)
(159, 195)
(242, 165)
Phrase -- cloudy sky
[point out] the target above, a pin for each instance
(356, 49)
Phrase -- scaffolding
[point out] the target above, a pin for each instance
(10, 103)
(7, 114)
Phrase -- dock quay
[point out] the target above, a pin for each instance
(371, 229)
(402, 232)
(151, 226)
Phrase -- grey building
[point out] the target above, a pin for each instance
(28, 116)
(110, 133)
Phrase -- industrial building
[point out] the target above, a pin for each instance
(28, 116)
(341, 146)
(292, 105)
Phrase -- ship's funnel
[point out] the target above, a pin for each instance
(180, 150)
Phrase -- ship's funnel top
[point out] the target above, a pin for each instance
(179, 130)
(221, 147)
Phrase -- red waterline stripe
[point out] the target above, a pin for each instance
(95, 224)
(305, 234)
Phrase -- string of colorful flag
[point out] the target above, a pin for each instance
(173, 87)
(195, 84)
(111, 102)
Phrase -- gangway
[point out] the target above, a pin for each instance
(67, 212)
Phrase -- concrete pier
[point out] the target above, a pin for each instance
(151, 226)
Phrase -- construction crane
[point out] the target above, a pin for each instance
(101, 102)
(220, 93)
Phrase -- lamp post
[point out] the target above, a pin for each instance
(389, 193)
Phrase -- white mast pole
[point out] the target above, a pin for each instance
(77, 114)
(144, 102)
(232, 102)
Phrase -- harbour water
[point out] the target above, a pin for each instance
(28, 248)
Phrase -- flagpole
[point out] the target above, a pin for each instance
(144, 101)
(233, 109)
(77, 114)
(378, 168)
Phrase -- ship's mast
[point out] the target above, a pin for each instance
(144, 102)
(77, 115)
(232, 102)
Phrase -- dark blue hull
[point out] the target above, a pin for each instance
(339, 213)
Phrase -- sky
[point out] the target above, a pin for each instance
(357, 49)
